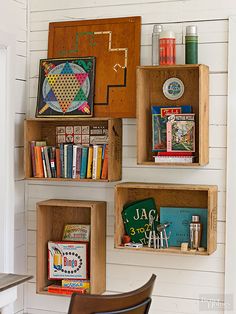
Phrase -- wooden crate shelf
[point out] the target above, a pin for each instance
(150, 80)
(52, 215)
(169, 195)
(44, 129)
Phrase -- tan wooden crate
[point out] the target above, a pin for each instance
(52, 215)
(202, 196)
(44, 129)
(150, 80)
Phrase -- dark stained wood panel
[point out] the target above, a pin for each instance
(116, 45)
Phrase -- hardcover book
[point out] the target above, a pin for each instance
(180, 133)
(159, 120)
(179, 219)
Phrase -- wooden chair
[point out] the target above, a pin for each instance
(134, 302)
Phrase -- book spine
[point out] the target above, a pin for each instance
(84, 159)
(38, 162)
(169, 136)
(44, 162)
(65, 160)
(69, 160)
(32, 145)
(74, 161)
(99, 163)
(78, 161)
(58, 164)
(65, 291)
(62, 159)
(95, 160)
(46, 150)
(175, 154)
(104, 175)
(90, 163)
(52, 158)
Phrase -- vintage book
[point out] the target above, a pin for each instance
(76, 232)
(104, 175)
(52, 160)
(185, 154)
(173, 159)
(76, 284)
(65, 160)
(62, 159)
(67, 260)
(58, 164)
(74, 161)
(90, 162)
(159, 120)
(78, 161)
(84, 160)
(32, 145)
(179, 219)
(137, 217)
(65, 290)
(38, 162)
(45, 150)
(69, 160)
(40, 143)
(180, 130)
(97, 162)
(44, 162)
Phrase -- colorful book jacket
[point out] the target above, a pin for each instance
(84, 160)
(179, 219)
(159, 120)
(180, 130)
(64, 290)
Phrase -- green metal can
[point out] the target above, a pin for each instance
(191, 45)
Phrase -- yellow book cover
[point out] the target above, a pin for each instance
(90, 163)
(99, 163)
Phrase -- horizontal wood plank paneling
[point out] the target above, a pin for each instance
(181, 279)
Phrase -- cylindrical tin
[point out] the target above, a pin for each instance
(191, 45)
(157, 29)
(167, 48)
(195, 232)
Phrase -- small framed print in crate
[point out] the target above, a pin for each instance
(66, 87)
(68, 260)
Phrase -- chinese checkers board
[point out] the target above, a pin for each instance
(115, 43)
(66, 87)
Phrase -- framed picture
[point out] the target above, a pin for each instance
(66, 87)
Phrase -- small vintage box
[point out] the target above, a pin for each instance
(76, 232)
(67, 260)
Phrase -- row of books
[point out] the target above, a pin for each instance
(69, 161)
(173, 133)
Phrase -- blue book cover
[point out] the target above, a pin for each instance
(179, 219)
(84, 161)
(159, 119)
(69, 160)
(62, 159)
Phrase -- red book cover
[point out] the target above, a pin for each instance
(66, 291)
(175, 154)
(104, 175)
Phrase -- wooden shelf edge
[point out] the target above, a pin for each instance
(66, 179)
(170, 250)
(60, 118)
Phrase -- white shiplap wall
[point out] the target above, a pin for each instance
(180, 280)
(13, 19)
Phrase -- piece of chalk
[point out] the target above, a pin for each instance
(201, 249)
(184, 247)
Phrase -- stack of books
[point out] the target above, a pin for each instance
(173, 134)
(69, 161)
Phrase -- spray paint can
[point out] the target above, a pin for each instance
(167, 48)
(157, 29)
(191, 45)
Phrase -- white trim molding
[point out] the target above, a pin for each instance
(230, 251)
(7, 100)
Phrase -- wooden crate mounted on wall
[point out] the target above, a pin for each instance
(150, 80)
(168, 195)
(52, 215)
(44, 129)
(115, 43)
